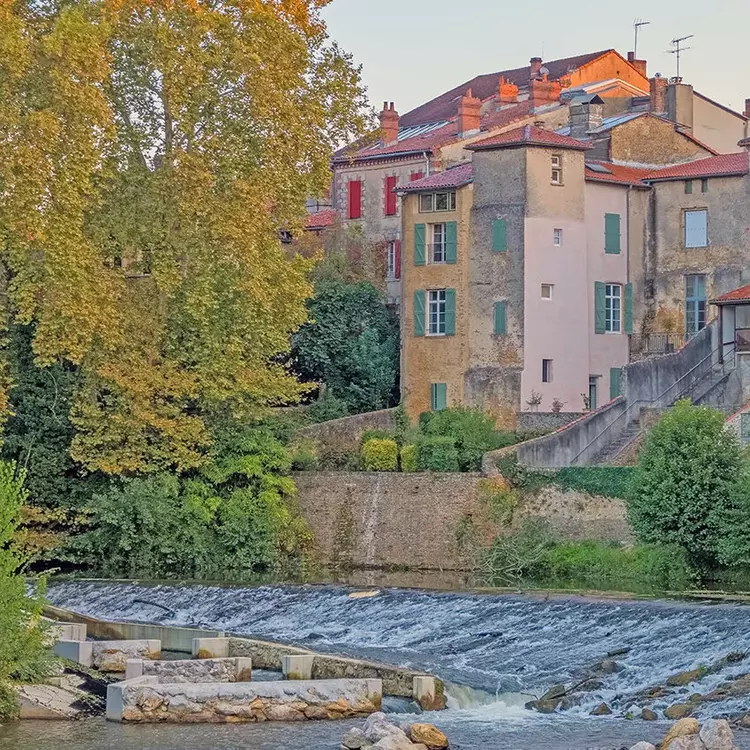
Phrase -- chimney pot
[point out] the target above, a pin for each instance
(535, 65)
(639, 65)
(389, 123)
(507, 92)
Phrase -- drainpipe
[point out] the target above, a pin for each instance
(627, 255)
(426, 163)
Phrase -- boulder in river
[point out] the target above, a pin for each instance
(678, 711)
(681, 728)
(643, 746)
(379, 733)
(427, 734)
(601, 710)
(685, 678)
(716, 734)
(648, 715)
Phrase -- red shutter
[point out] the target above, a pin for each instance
(355, 199)
(416, 176)
(397, 263)
(390, 195)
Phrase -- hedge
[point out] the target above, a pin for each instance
(437, 454)
(608, 481)
(409, 460)
(380, 454)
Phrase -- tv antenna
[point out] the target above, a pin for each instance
(678, 50)
(636, 26)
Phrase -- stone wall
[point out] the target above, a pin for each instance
(192, 670)
(346, 432)
(546, 420)
(144, 700)
(112, 656)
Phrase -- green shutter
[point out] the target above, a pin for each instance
(419, 312)
(438, 396)
(628, 308)
(499, 236)
(451, 241)
(688, 186)
(611, 233)
(600, 312)
(419, 235)
(501, 323)
(450, 312)
(614, 381)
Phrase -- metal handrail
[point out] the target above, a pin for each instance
(640, 404)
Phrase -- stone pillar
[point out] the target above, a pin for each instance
(297, 667)
(243, 669)
(210, 648)
(81, 652)
(424, 692)
(133, 668)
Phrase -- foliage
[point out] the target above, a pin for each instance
(409, 458)
(380, 454)
(22, 652)
(376, 434)
(607, 481)
(684, 491)
(328, 407)
(351, 344)
(153, 150)
(519, 476)
(437, 453)
(501, 499)
(733, 543)
(517, 555)
(305, 456)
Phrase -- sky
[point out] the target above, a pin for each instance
(413, 50)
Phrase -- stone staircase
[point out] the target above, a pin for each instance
(617, 446)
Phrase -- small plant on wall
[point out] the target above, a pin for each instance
(586, 402)
(557, 405)
(534, 400)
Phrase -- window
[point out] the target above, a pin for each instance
(557, 237)
(696, 228)
(593, 400)
(393, 260)
(613, 308)
(546, 371)
(390, 199)
(557, 174)
(695, 303)
(436, 312)
(438, 396)
(426, 202)
(547, 291)
(704, 185)
(355, 199)
(429, 202)
(437, 246)
(688, 187)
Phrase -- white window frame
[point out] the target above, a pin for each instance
(557, 237)
(547, 287)
(436, 310)
(437, 248)
(556, 169)
(428, 202)
(694, 240)
(547, 370)
(390, 260)
(613, 299)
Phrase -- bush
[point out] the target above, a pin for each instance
(437, 454)
(9, 707)
(375, 435)
(380, 455)
(305, 456)
(409, 459)
(684, 491)
(328, 407)
(607, 481)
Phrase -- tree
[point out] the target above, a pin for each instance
(351, 344)
(685, 486)
(152, 150)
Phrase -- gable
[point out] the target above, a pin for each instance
(606, 66)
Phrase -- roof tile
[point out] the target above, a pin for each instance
(528, 135)
(450, 178)
(321, 219)
(617, 174)
(736, 295)
(722, 165)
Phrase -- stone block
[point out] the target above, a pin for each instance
(425, 694)
(116, 695)
(210, 648)
(237, 669)
(297, 667)
(66, 631)
(133, 668)
(80, 652)
(112, 656)
(243, 669)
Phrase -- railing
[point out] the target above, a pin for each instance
(659, 343)
(679, 389)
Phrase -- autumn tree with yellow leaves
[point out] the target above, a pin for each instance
(150, 150)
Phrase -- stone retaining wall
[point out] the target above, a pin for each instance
(144, 700)
(192, 670)
(111, 656)
(345, 433)
(546, 420)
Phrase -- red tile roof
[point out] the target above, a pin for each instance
(528, 135)
(454, 177)
(444, 106)
(617, 174)
(736, 295)
(322, 219)
(722, 165)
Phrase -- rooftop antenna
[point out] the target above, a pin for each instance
(678, 50)
(637, 25)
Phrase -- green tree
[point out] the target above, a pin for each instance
(351, 345)
(684, 491)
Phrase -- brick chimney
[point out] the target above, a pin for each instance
(658, 94)
(389, 124)
(507, 92)
(639, 65)
(544, 92)
(536, 66)
(469, 114)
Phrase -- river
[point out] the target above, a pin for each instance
(493, 649)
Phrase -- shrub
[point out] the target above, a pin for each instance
(685, 484)
(607, 481)
(501, 499)
(409, 459)
(305, 456)
(520, 477)
(328, 407)
(436, 453)
(375, 434)
(380, 455)
(9, 707)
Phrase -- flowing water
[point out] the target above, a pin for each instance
(494, 651)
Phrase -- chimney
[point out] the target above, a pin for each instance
(585, 116)
(507, 93)
(680, 104)
(389, 124)
(639, 65)
(543, 92)
(469, 114)
(658, 94)
(536, 66)
(747, 108)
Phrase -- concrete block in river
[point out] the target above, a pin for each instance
(297, 667)
(80, 652)
(112, 656)
(236, 669)
(210, 648)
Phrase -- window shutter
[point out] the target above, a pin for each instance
(611, 233)
(688, 186)
(416, 176)
(419, 240)
(600, 313)
(355, 199)
(499, 236)
(501, 323)
(390, 195)
(628, 308)
(397, 260)
(614, 382)
(419, 312)
(450, 312)
(438, 396)
(451, 241)
(696, 228)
